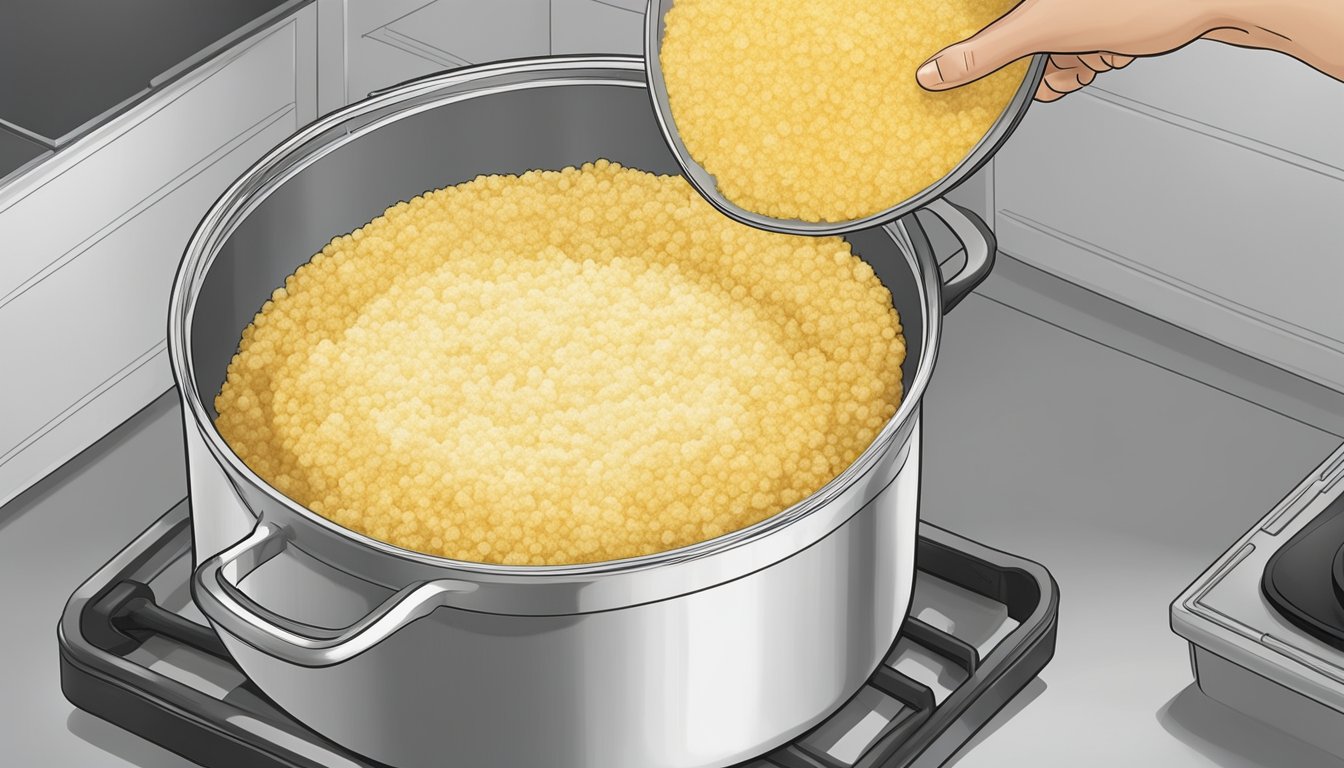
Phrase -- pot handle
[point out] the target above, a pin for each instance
(215, 588)
(978, 240)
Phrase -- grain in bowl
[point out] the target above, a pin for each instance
(809, 109)
(562, 367)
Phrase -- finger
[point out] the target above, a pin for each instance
(994, 47)
(1063, 61)
(1117, 61)
(1069, 79)
(1095, 62)
(1045, 95)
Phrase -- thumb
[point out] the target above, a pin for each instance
(993, 48)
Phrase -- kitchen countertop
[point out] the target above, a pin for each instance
(1102, 458)
(1121, 453)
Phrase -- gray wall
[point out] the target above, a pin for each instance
(1206, 188)
(394, 40)
(593, 26)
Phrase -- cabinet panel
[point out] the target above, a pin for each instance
(48, 216)
(86, 334)
(105, 314)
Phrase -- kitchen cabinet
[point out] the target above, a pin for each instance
(92, 238)
(1205, 188)
(71, 65)
(390, 42)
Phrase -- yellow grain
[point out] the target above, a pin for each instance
(562, 367)
(809, 109)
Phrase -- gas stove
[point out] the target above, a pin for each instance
(1265, 622)
(135, 651)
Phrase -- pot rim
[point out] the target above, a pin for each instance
(306, 146)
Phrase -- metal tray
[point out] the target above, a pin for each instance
(135, 652)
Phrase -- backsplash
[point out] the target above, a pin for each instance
(389, 42)
(590, 26)
(392, 41)
(1205, 187)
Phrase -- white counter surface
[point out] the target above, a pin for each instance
(1120, 453)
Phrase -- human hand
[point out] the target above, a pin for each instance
(1085, 38)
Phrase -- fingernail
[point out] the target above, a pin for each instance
(928, 75)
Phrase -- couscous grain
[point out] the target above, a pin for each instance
(809, 109)
(562, 367)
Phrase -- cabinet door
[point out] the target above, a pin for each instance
(94, 236)
(390, 42)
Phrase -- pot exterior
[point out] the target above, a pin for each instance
(706, 679)
(219, 517)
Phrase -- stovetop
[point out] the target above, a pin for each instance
(1304, 579)
(1265, 621)
(135, 651)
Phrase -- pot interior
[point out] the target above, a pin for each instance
(545, 125)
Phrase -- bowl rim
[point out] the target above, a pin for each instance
(706, 184)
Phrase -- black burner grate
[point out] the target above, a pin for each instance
(1304, 579)
(135, 652)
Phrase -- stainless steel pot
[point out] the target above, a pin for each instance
(702, 656)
